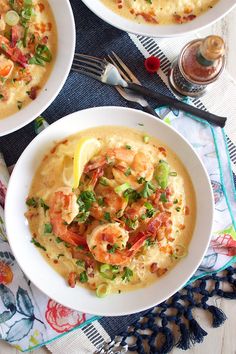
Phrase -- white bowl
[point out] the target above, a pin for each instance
(212, 15)
(38, 270)
(65, 52)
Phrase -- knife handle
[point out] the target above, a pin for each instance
(172, 102)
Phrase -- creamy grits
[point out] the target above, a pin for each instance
(28, 42)
(160, 11)
(128, 222)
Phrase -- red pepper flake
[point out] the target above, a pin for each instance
(152, 64)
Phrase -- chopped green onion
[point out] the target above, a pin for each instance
(178, 209)
(162, 173)
(115, 269)
(103, 290)
(175, 201)
(12, 18)
(103, 181)
(122, 188)
(146, 139)
(173, 174)
(128, 147)
(59, 240)
(104, 267)
(60, 255)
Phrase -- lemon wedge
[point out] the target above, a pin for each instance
(85, 150)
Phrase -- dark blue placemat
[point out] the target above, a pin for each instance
(95, 37)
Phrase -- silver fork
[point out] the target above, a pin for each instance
(127, 75)
(102, 70)
(81, 64)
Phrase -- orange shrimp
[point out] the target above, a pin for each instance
(63, 209)
(108, 242)
(113, 203)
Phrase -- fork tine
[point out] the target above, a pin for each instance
(126, 69)
(90, 58)
(119, 69)
(90, 74)
(88, 69)
(92, 64)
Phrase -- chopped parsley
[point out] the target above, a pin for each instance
(37, 244)
(60, 255)
(31, 202)
(107, 216)
(80, 263)
(128, 172)
(113, 248)
(150, 210)
(128, 273)
(47, 228)
(43, 205)
(83, 278)
(148, 190)
(163, 198)
(132, 224)
(100, 201)
(59, 240)
(131, 194)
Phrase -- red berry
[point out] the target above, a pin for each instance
(152, 64)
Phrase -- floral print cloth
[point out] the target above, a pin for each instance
(29, 319)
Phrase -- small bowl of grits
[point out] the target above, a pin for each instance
(160, 18)
(111, 218)
(37, 41)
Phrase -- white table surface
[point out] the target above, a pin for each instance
(223, 339)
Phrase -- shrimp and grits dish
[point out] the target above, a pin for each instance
(160, 11)
(111, 209)
(28, 40)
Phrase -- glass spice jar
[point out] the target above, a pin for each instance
(199, 64)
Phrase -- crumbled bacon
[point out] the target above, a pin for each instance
(72, 279)
(33, 92)
(153, 267)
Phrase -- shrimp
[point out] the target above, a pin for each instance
(6, 67)
(113, 203)
(110, 156)
(108, 242)
(63, 209)
(4, 6)
(123, 160)
(142, 166)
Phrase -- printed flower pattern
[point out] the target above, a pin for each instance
(62, 319)
(6, 274)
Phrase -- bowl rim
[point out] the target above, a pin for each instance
(36, 141)
(130, 26)
(39, 109)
